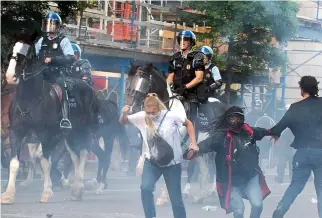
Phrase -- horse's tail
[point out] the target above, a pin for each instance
(123, 139)
(110, 113)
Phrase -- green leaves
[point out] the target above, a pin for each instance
(251, 25)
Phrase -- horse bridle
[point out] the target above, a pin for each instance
(143, 80)
(26, 76)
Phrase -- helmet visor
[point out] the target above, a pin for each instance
(182, 40)
(50, 25)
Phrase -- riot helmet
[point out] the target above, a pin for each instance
(186, 35)
(52, 23)
(208, 52)
(77, 51)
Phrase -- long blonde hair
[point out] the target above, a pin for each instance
(153, 100)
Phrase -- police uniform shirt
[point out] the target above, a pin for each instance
(65, 45)
(214, 72)
(185, 57)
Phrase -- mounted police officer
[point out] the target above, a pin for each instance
(81, 68)
(56, 50)
(212, 77)
(186, 71)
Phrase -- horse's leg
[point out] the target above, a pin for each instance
(77, 187)
(108, 147)
(67, 168)
(98, 150)
(56, 155)
(8, 196)
(32, 147)
(46, 166)
(201, 160)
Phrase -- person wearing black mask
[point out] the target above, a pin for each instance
(238, 174)
(307, 131)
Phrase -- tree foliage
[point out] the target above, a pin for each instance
(17, 14)
(248, 27)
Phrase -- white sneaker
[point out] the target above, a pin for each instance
(186, 190)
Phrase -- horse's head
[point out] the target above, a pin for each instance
(141, 81)
(21, 52)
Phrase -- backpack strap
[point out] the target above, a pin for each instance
(162, 121)
(211, 66)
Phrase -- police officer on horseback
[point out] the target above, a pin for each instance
(186, 71)
(212, 77)
(81, 68)
(56, 50)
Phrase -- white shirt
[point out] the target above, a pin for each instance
(65, 45)
(214, 72)
(169, 131)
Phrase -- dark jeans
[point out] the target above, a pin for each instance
(254, 194)
(172, 176)
(305, 160)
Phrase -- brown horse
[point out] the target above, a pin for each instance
(7, 93)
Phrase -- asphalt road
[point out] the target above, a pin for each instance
(122, 200)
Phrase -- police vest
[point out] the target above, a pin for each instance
(184, 71)
(51, 48)
(81, 67)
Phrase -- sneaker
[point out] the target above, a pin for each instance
(186, 190)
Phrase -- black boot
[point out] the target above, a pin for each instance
(65, 123)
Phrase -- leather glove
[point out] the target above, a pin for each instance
(181, 89)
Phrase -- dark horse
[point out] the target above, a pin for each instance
(109, 129)
(37, 109)
(146, 79)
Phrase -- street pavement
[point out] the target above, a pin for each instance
(122, 200)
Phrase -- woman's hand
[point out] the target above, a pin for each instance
(139, 167)
(126, 108)
(194, 147)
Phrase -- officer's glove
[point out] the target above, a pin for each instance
(181, 90)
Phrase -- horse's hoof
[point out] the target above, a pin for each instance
(91, 184)
(65, 183)
(46, 196)
(77, 191)
(161, 202)
(7, 198)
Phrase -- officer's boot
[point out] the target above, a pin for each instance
(65, 123)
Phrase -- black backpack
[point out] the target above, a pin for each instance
(161, 152)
